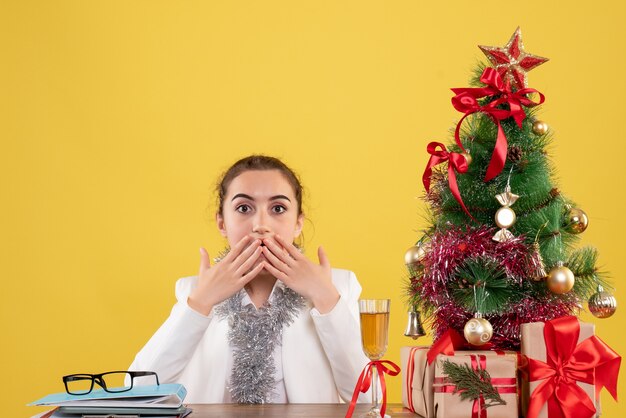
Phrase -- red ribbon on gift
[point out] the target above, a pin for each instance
(451, 341)
(410, 374)
(446, 344)
(456, 163)
(365, 381)
(466, 101)
(591, 361)
(478, 407)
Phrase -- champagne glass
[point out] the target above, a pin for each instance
(374, 331)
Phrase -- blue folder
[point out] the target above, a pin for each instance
(169, 395)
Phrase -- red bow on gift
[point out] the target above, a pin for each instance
(466, 101)
(446, 344)
(591, 361)
(456, 162)
(451, 341)
(365, 381)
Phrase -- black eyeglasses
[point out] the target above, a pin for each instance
(114, 382)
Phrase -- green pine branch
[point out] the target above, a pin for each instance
(470, 384)
(482, 286)
(582, 262)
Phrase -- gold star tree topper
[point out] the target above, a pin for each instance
(511, 61)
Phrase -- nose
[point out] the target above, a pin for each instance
(260, 226)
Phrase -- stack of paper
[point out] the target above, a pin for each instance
(158, 401)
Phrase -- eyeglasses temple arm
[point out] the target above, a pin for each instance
(140, 374)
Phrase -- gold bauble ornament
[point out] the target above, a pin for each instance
(560, 280)
(414, 255)
(478, 330)
(505, 217)
(602, 304)
(540, 127)
(576, 221)
(468, 157)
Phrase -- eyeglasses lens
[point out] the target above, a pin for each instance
(115, 381)
(79, 385)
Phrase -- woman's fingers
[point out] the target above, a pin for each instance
(289, 247)
(281, 253)
(277, 273)
(321, 255)
(251, 274)
(246, 254)
(274, 260)
(238, 248)
(205, 261)
(249, 261)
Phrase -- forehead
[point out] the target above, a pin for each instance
(260, 183)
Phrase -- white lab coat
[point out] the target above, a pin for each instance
(321, 354)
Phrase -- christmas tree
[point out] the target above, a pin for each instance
(501, 248)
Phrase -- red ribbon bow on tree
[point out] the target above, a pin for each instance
(365, 381)
(456, 162)
(591, 361)
(466, 101)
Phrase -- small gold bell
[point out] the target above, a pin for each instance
(414, 328)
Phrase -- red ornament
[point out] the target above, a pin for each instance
(511, 61)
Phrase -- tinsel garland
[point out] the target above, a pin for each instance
(448, 249)
(253, 335)
(506, 325)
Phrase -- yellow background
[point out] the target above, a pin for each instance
(116, 118)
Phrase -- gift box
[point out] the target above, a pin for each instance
(417, 381)
(502, 369)
(418, 377)
(534, 346)
(565, 357)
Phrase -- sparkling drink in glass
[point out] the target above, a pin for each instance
(374, 333)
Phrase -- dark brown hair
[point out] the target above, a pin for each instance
(258, 162)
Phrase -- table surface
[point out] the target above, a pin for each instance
(289, 410)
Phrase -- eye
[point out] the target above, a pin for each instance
(279, 209)
(243, 208)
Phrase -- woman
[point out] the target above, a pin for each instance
(264, 324)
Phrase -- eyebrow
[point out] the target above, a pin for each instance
(245, 196)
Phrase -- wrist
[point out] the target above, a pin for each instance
(198, 306)
(326, 301)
